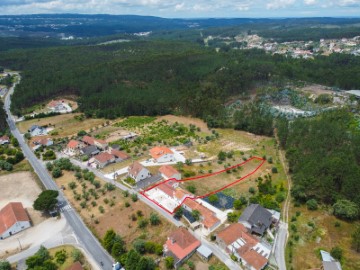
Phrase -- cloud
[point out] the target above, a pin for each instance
(277, 4)
(310, 2)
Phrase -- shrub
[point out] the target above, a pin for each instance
(72, 185)
(134, 197)
(280, 197)
(312, 204)
(61, 256)
(252, 190)
(142, 223)
(169, 262)
(56, 173)
(345, 209)
(127, 204)
(274, 170)
(191, 188)
(337, 253)
(154, 219)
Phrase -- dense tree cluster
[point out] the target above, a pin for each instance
(323, 155)
(160, 77)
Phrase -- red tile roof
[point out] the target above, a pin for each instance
(54, 103)
(88, 140)
(10, 214)
(168, 171)
(42, 141)
(167, 189)
(4, 138)
(75, 266)
(181, 243)
(255, 259)
(104, 157)
(209, 218)
(238, 231)
(159, 151)
(135, 168)
(73, 144)
(119, 154)
(235, 231)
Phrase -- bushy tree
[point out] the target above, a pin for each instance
(213, 198)
(312, 204)
(346, 209)
(337, 253)
(154, 219)
(5, 265)
(46, 201)
(169, 262)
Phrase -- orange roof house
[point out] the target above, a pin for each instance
(13, 219)
(73, 144)
(88, 140)
(75, 266)
(119, 154)
(237, 240)
(181, 245)
(104, 159)
(162, 154)
(138, 172)
(169, 172)
(208, 217)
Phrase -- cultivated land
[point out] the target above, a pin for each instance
(317, 230)
(115, 214)
(64, 125)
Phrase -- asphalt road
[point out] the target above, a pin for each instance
(83, 234)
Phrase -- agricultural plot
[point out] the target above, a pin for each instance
(214, 186)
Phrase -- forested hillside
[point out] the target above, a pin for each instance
(155, 78)
(324, 157)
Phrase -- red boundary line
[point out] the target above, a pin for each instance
(203, 176)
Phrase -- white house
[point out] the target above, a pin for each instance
(73, 148)
(13, 219)
(138, 172)
(162, 154)
(36, 130)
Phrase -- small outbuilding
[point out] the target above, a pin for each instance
(204, 252)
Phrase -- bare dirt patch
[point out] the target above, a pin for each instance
(18, 187)
(186, 121)
(317, 89)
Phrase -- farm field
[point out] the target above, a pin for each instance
(317, 230)
(113, 210)
(64, 125)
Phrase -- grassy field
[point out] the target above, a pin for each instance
(317, 230)
(69, 260)
(64, 124)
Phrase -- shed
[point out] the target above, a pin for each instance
(204, 252)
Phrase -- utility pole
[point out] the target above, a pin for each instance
(19, 243)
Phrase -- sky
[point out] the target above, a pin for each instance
(188, 8)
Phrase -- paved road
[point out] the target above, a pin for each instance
(83, 234)
(279, 245)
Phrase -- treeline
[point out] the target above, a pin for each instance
(324, 159)
(3, 123)
(161, 77)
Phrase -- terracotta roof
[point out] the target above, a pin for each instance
(4, 138)
(159, 151)
(73, 144)
(180, 194)
(54, 103)
(209, 218)
(135, 168)
(119, 154)
(100, 141)
(235, 231)
(167, 189)
(88, 140)
(75, 266)
(255, 259)
(42, 141)
(181, 243)
(168, 171)
(104, 157)
(10, 214)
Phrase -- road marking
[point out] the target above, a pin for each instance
(66, 208)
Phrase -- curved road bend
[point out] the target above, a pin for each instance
(85, 237)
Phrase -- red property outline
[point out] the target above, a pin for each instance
(203, 176)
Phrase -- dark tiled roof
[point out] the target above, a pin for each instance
(258, 217)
